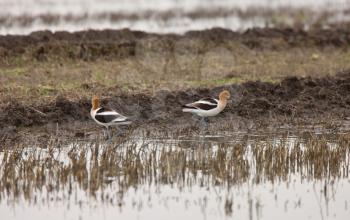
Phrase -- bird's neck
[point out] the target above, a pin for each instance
(222, 103)
(95, 105)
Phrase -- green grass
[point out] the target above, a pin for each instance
(13, 72)
(172, 71)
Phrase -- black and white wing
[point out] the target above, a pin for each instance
(107, 116)
(203, 104)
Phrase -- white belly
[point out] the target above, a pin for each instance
(204, 113)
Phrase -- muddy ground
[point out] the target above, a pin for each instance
(283, 101)
(92, 45)
(255, 105)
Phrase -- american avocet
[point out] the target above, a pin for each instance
(106, 117)
(208, 107)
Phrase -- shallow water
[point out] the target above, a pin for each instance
(160, 16)
(207, 177)
(18, 7)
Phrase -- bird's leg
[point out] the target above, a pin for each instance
(108, 133)
(197, 120)
(206, 123)
(203, 124)
(195, 117)
(104, 133)
(120, 131)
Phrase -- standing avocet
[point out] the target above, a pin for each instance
(208, 107)
(106, 117)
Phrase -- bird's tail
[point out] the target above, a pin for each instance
(188, 108)
(124, 121)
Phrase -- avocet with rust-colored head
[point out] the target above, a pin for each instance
(105, 116)
(208, 107)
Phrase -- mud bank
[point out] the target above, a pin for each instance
(294, 99)
(108, 44)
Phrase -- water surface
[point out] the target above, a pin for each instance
(243, 176)
(164, 16)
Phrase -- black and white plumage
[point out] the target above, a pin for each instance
(208, 107)
(108, 117)
(105, 116)
(201, 107)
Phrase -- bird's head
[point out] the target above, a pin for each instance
(95, 102)
(224, 95)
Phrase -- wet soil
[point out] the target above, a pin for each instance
(254, 104)
(107, 44)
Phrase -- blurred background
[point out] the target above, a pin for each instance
(168, 16)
